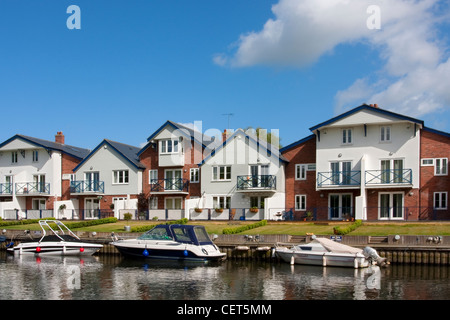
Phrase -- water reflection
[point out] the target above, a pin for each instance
(113, 277)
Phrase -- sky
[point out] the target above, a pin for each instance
(119, 69)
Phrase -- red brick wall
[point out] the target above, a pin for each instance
(433, 145)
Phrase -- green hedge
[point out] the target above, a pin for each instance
(344, 230)
(244, 228)
(149, 227)
(88, 223)
(21, 222)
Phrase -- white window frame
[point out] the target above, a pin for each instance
(216, 172)
(223, 202)
(121, 177)
(300, 202)
(385, 133)
(194, 175)
(35, 155)
(173, 199)
(152, 175)
(427, 162)
(41, 204)
(153, 203)
(391, 198)
(172, 144)
(442, 199)
(347, 136)
(300, 171)
(439, 166)
(14, 156)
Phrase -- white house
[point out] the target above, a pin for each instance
(245, 175)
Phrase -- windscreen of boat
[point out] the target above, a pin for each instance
(156, 234)
(202, 235)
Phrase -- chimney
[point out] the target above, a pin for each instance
(59, 137)
(224, 135)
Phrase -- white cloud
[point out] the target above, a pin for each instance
(416, 68)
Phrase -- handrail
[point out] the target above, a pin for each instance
(268, 182)
(339, 178)
(32, 187)
(170, 184)
(81, 186)
(391, 176)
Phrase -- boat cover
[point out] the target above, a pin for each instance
(334, 246)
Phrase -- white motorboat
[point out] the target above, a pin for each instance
(172, 242)
(326, 252)
(58, 242)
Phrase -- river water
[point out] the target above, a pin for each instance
(116, 278)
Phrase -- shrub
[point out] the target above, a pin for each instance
(345, 230)
(244, 228)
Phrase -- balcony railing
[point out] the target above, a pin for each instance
(6, 188)
(339, 178)
(263, 182)
(167, 185)
(87, 186)
(392, 176)
(32, 188)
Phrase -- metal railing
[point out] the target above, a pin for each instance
(392, 176)
(33, 188)
(6, 188)
(87, 186)
(174, 184)
(339, 178)
(251, 182)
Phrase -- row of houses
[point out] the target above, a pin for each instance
(367, 163)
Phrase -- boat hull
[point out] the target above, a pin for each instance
(322, 258)
(55, 248)
(169, 251)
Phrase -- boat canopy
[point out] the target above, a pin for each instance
(333, 246)
(178, 232)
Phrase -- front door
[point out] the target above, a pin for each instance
(391, 206)
(340, 205)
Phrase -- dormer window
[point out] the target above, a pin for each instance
(169, 146)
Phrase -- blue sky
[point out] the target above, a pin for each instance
(277, 64)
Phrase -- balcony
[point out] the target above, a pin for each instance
(174, 185)
(6, 189)
(32, 188)
(87, 187)
(257, 183)
(392, 177)
(339, 179)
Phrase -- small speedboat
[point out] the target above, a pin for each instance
(172, 242)
(326, 252)
(58, 242)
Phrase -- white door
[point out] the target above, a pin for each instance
(92, 205)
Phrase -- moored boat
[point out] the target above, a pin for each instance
(58, 242)
(172, 242)
(326, 252)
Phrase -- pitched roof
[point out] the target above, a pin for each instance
(296, 143)
(186, 131)
(79, 153)
(370, 108)
(265, 145)
(128, 152)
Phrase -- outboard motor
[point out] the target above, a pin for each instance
(372, 255)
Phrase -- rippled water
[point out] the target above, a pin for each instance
(113, 277)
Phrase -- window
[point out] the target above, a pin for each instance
(300, 202)
(35, 155)
(152, 176)
(173, 203)
(300, 171)
(440, 167)
(194, 174)
(392, 171)
(38, 204)
(153, 203)
(391, 206)
(257, 202)
(169, 146)
(427, 162)
(440, 200)
(39, 183)
(120, 177)
(221, 173)
(341, 173)
(385, 134)
(347, 136)
(14, 157)
(222, 202)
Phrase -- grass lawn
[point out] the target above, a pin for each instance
(291, 228)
